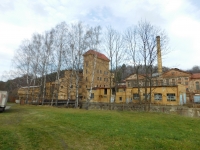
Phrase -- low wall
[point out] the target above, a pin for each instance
(181, 110)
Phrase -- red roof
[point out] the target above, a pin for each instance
(99, 55)
(195, 76)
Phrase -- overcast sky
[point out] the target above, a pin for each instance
(19, 19)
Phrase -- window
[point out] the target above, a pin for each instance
(105, 91)
(157, 96)
(100, 71)
(146, 96)
(97, 78)
(92, 95)
(186, 82)
(167, 81)
(173, 81)
(129, 84)
(71, 86)
(134, 83)
(186, 78)
(86, 63)
(197, 86)
(171, 97)
(135, 96)
(161, 82)
(100, 78)
(120, 98)
(86, 71)
(179, 80)
(61, 87)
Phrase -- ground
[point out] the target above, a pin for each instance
(46, 127)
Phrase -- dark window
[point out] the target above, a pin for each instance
(105, 91)
(161, 82)
(146, 96)
(120, 98)
(92, 95)
(173, 81)
(197, 86)
(157, 96)
(171, 97)
(135, 96)
(167, 81)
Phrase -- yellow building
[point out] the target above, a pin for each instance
(96, 70)
(162, 95)
(31, 92)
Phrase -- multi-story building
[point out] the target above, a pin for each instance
(96, 70)
(95, 74)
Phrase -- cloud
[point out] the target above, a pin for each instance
(180, 18)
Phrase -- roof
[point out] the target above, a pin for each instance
(195, 76)
(99, 55)
(177, 70)
(140, 76)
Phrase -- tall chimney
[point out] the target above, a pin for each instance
(159, 59)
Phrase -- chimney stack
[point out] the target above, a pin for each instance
(159, 59)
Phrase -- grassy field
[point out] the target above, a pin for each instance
(43, 127)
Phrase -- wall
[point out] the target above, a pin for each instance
(179, 110)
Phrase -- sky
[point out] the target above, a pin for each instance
(180, 19)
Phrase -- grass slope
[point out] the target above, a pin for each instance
(43, 127)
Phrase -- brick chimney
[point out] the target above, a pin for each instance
(159, 59)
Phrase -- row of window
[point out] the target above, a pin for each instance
(100, 71)
(154, 83)
(98, 86)
(157, 96)
(99, 78)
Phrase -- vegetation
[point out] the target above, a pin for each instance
(44, 127)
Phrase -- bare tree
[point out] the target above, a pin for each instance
(22, 61)
(147, 46)
(130, 38)
(113, 44)
(60, 35)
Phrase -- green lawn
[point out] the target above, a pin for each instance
(43, 127)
